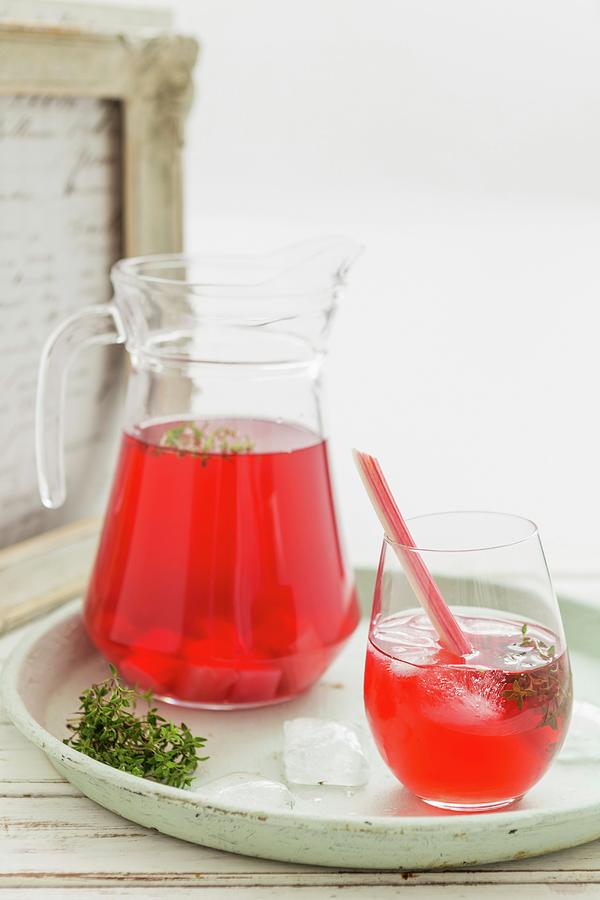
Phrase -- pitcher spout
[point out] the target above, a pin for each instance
(313, 265)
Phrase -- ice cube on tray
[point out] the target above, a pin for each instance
(242, 789)
(323, 752)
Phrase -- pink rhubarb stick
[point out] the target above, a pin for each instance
(427, 591)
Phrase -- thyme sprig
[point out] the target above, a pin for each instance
(191, 437)
(541, 647)
(548, 686)
(107, 728)
(521, 688)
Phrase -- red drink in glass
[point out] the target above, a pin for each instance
(220, 579)
(472, 732)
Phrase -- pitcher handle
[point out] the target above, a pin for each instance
(99, 324)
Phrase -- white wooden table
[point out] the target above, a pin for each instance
(55, 843)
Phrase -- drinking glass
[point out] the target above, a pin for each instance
(474, 732)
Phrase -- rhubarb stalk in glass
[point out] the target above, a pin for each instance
(448, 630)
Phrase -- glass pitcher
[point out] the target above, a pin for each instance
(220, 579)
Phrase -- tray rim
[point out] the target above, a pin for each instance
(463, 825)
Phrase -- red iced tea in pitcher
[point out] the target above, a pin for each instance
(220, 580)
(474, 733)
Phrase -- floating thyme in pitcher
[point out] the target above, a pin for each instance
(202, 439)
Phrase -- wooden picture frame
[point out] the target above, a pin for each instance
(151, 77)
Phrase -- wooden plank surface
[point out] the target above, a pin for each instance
(44, 572)
(52, 838)
(64, 841)
(304, 892)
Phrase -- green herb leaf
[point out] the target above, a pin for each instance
(192, 437)
(546, 687)
(107, 728)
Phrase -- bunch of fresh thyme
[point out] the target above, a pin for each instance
(108, 729)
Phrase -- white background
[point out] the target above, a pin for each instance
(460, 142)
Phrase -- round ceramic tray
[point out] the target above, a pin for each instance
(377, 826)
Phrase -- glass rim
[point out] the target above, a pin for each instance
(222, 301)
(417, 548)
(132, 267)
